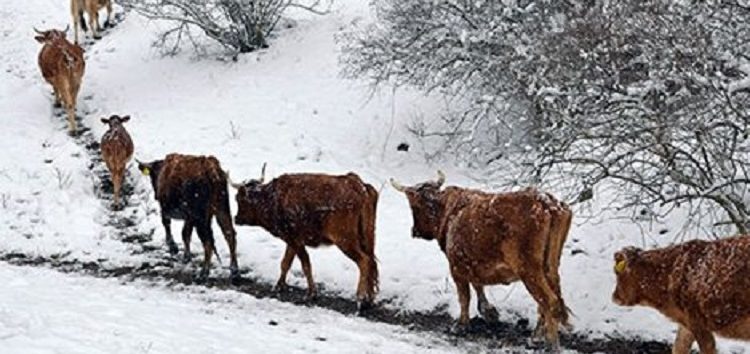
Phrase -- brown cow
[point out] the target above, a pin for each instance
(499, 238)
(193, 189)
(117, 149)
(92, 8)
(62, 66)
(314, 210)
(704, 286)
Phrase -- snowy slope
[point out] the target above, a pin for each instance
(42, 311)
(290, 109)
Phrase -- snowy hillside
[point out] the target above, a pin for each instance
(286, 106)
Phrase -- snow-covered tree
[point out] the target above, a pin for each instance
(648, 95)
(240, 25)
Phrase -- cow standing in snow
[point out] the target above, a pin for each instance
(117, 149)
(704, 286)
(62, 66)
(314, 210)
(92, 7)
(499, 238)
(193, 189)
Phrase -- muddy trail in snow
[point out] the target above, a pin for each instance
(158, 266)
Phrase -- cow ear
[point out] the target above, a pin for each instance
(105, 120)
(39, 39)
(125, 119)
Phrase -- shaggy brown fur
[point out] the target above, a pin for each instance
(313, 210)
(496, 239)
(92, 7)
(704, 286)
(193, 189)
(117, 149)
(62, 66)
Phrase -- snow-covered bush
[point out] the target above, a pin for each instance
(648, 95)
(241, 25)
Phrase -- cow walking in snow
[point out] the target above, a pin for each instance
(704, 286)
(117, 149)
(62, 66)
(92, 7)
(500, 238)
(193, 189)
(313, 210)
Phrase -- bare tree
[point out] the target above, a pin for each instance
(650, 96)
(240, 25)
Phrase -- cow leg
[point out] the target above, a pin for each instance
(171, 245)
(464, 298)
(94, 20)
(187, 232)
(683, 342)
(536, 284)
(705, 339)
(488, 312)
(224, 219)
(365, 293)
(207, 239)
(117, 183)
(286, 263)
(108, 22)
(69, 103)
(304, 258)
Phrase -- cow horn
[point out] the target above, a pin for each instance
(67, 28)
(263, 173)
(231, 183)
(397, 186)
(441, 178)
(37, 31)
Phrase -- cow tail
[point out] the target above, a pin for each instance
(216, 253)
(367, 236)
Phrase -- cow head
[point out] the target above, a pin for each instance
(50, 36)
(627, 291)
(250, 200)
(152, 170)
(424, 200)
(115, 121)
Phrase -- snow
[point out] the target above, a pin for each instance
(290, 108)
(42, 311)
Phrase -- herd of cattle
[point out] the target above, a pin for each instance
(488, 238)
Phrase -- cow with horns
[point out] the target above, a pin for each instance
(496, 238)
(193, 189)
(313, 210)
(62, 66)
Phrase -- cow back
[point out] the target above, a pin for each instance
(710, 280)
(61, 58)
(116, 145)
(305, 204)
(191, 185)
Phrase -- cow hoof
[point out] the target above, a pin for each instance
(234, 277)
(202, 276)
(172, 246)
(490, 315)
(459, 329)
(72, 133)
(280, 287)
(364, 306)
(97, 37)
(186, 258)
(311, 296)
(108, 24)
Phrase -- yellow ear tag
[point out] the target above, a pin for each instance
(620, 266)
(145, 171)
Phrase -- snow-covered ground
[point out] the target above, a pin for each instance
(42, 311)
(289, 108)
